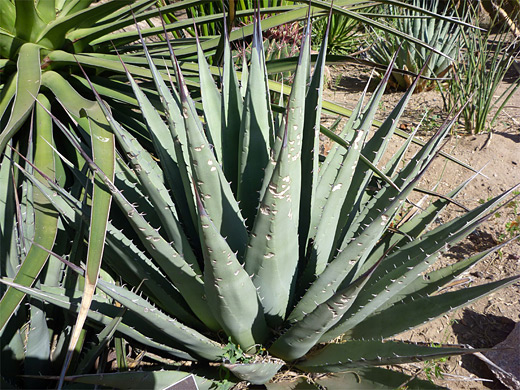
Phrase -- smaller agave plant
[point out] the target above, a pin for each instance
(232, 247)
(440, 34)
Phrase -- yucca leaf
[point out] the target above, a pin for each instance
(272, 254)
(327, 225)
(45, 224)
(99, 312)
(46, 10)
(102, 339)
(8, 17)
(8, 253)
(409, 173)
(372, 151)
(294, 121)
(230, 292)
(438, 280)
(116, 20)
(256, 373)
(128, 16)
(6, 96)
(244, 75)
(28, 79)
(414, 223)
(329, 168)
(103, 155)
(28, 26)
(72, 6)
(122, 251)
(353, 354)
(174, 265)
(13, 348)
(435, 239)
(54, 33)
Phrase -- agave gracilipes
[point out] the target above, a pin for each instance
(242, 234)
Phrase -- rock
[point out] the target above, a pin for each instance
(504, 359)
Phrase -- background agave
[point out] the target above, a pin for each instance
(230, 236)
(441, 34)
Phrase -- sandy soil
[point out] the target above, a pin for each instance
(488, 321)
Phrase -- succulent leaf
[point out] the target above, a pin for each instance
(352, 354)
(230, 292)
(425, 309)
(256, 133)
(45, 223)
(28, 81)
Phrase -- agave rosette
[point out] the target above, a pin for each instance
(232, 229)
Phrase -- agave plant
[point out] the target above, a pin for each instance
(441, 34)
(231, 245)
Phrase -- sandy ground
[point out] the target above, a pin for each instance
(488, 321)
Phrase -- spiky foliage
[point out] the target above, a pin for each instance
(478, 72)
(42, 46)
(231, 233)
(443, 35)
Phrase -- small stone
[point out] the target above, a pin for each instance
(505, 359)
